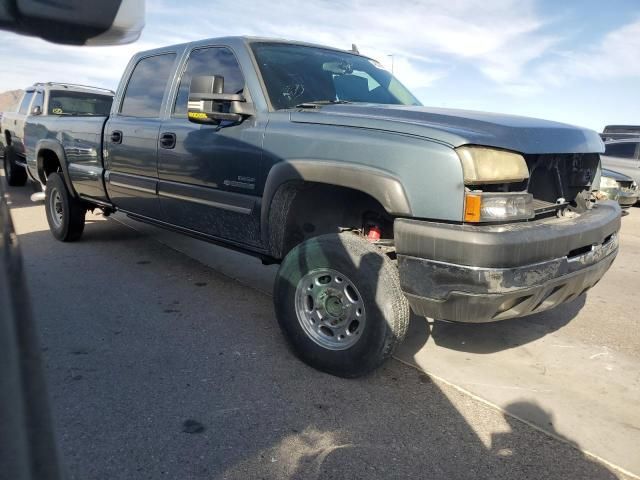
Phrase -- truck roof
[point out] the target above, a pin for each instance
(74, 87)
(242, 40)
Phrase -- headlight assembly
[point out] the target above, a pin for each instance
(481, 165)
(497, 207)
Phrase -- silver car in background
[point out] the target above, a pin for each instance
(623, 156)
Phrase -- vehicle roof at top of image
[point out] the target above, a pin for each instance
(76, 22)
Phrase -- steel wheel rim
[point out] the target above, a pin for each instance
(56, 207)
(330, 309)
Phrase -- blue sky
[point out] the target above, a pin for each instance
(572, 61)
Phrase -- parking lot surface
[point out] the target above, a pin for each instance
(164, 360)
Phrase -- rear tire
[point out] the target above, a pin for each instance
(65, 214)
(16, 174)
(339, 304)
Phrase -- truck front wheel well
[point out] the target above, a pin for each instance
(301, 210)
(48, 163)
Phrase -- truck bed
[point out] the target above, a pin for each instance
(80, 138)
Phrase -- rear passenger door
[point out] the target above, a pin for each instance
(131, 137)
(208, 174)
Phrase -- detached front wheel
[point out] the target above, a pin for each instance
(339, 304)
(65, 214)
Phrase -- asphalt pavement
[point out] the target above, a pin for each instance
(161, 366)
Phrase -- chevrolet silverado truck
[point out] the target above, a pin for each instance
(45, 102)
(321, 160)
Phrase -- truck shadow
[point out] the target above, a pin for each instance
(486, 338)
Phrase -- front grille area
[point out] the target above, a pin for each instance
(565, 176)
(562, 176)
(542, 206)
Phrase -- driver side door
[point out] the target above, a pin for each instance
(208, 175)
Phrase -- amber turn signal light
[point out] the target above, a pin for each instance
(472, 207)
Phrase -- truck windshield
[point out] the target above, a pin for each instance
(296, 74)
(78, 103)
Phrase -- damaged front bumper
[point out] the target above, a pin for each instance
(466, 273)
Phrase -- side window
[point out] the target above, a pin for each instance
(209, 61)
(145, 90)
(24, 105)
(621, 150)
(39, 101)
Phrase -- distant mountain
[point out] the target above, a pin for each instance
(9, 100)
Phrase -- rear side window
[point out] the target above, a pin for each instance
(145, 90)
(24, 105)
(621, 150)
(78, 103)
(209, 61)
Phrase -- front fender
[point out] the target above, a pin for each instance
(381, 185)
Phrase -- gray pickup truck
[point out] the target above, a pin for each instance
(45, 102)
(322, 161)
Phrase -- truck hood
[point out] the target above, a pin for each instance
(459, 127)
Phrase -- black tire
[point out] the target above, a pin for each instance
(16, 174)
(65, 214)
(376, 280)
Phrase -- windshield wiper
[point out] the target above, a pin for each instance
(319, 103)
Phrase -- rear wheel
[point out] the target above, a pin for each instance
(65, 214)
(339, 304)
(16, 174)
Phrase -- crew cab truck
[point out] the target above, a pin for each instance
(373, 205)
(45, 102)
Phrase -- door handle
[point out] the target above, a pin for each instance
(116, 136)
(167, 140)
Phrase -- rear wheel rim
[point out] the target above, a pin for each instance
(56, 207)
(330, 309)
